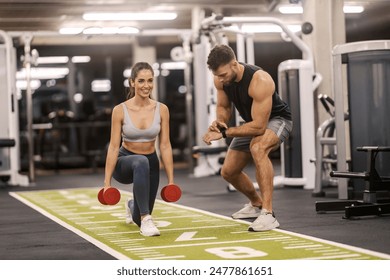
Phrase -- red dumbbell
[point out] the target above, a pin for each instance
(171, 193)
(109, 197)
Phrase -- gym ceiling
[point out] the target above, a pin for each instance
(46, 17)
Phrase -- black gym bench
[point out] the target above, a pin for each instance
(370, 204)
(6, 143)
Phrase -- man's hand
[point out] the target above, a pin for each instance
(211, 136)
(217, 125)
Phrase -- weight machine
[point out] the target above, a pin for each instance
(367, 68)
(9, 116)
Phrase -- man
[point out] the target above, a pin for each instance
(267, 124)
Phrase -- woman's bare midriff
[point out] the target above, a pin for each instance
(142, 148)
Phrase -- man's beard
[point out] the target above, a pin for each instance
(232, 80)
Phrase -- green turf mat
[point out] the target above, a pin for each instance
(186, 233)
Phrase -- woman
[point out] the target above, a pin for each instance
(131, 156)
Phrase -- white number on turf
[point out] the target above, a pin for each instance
(236, 252)
(189, 236)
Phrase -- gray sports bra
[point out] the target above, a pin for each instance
(130, 133)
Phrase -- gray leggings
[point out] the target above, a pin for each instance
(144, 172)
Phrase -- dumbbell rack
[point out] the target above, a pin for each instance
(371, 204)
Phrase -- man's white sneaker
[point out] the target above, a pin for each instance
(265, 221)
(249, 211)
(129, 205)
(148, 228)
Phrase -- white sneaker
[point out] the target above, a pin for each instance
(266, 221)
(129, 204)
(249, 211)
(148, 228)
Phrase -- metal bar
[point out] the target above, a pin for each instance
(30, 137)
(307, 53)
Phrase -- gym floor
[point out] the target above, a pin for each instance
(26, 234)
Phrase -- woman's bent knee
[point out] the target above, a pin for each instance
(140, 161)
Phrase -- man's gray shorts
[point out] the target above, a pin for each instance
(280, 126)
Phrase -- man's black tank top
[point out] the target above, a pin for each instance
(238, 94)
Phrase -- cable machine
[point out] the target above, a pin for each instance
(9, 122)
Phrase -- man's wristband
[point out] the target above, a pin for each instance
(223, 131)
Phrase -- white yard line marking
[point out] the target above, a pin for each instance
(325, 251)
(147, 251)
(65, 211)
(133, 247)
(167, 258)
(116, 233)
(176, 217)
(62, 207)
(239, 232)
(95, 228)
(81, 218)
(334, 253)
(347, 256)
(206, 221)
(93, 212)
(195, 228)
(153, 256)
(101, 222)
(173, 212)
(303, 246)
(129, 240)
(302, 242)
(124, 243)
(209, 243)
(149, 254)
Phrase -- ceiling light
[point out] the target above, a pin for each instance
(291, 9)
(51, 83)
(110, 30)
(43, 73)
(353, 9)
(178, 65)
(128, 30)
(264, 28)
(22, 84)
(52, 59)
(129, 16)
(165, 72)
(71, 30)
(78, 97)
(101, 85)
(127, 72)
(81, 59)
(92, 31)
(297, 9)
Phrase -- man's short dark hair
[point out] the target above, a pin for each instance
(220, 55)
